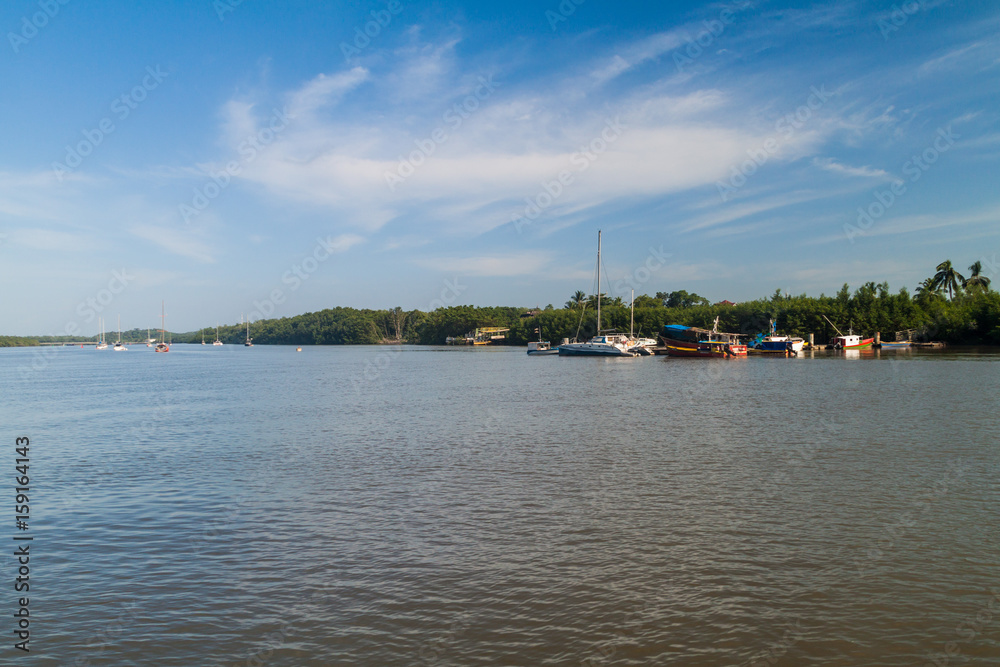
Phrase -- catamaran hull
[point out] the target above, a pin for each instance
(588, 350)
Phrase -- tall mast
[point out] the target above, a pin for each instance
(163, 322)
(598, 282)
(631, 320)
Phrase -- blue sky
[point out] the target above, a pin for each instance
(244, 157)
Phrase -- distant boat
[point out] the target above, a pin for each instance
(149, 341)
(847, 341)
(118, 345)
(682, 341)
(101, 344)
(202, 337)
(776, 344)
(162, 345)
(640, 346)
(607, 345)
(541, 347)
(850, 342)
(249, 340)
(217, 341)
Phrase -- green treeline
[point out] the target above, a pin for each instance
(946, 307)
(17, 341)
(970, 317)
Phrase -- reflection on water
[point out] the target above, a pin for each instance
(435, 506)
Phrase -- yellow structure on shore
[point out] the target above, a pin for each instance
(481, 336)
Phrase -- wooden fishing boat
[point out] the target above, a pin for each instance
(683, 341)
(850, 342)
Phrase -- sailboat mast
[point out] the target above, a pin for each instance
(598, 282)
(631, 317)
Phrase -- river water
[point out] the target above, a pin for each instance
(434, 506)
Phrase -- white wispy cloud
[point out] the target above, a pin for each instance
(498, 265)
(174, 240)
(829, 164)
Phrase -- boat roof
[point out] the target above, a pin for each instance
(680, 327)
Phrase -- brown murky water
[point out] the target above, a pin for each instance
(368, 506)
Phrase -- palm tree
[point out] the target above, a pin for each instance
(948, 278)
(976, 281)
(927, 290)
(576, 300)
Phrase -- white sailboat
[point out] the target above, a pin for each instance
(101, 344)
(217, 341)
(601, 345)
(640, 346)
(162, 345)
(149, 341)
(118, 344)
(249, 341)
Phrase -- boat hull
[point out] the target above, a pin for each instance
(863, 344)
(703, 350)
(591, 350)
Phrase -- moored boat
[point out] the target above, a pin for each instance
(601, 345)
(541, 347)
(162, 345)
(119, 346)
(605, 345)
(684, 341)
(850, 342)
(775, 343)
(101, 344)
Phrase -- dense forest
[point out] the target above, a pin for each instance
(946, 306)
